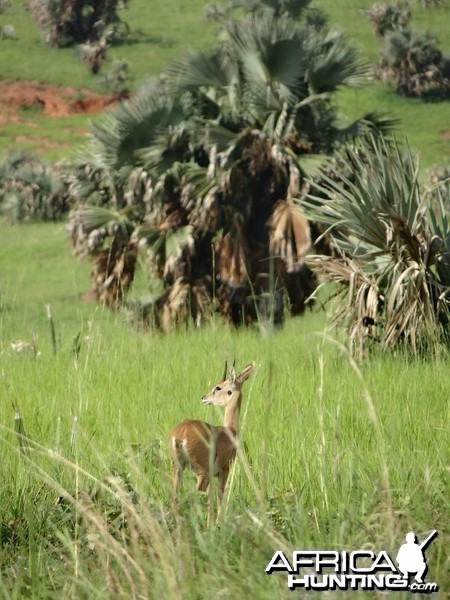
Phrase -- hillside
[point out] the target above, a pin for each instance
(161, 32)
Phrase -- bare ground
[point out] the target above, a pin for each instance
(54, 101)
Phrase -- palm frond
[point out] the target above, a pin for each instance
(333, 62)
(96, 217)
(135, 124)
(272, 54)
(198, 69)
(387, 245)
(232, 253)
(373, 202)
(289, 235)
(369, 124)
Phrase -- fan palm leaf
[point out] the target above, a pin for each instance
(333, 62)
(388, 243)
(232, 253)
(199, 69)
(106, 235)
(135, 124)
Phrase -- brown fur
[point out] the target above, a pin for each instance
(209, 450)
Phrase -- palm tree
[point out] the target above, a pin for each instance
(33, 190)
(68, 22)
(392, 247)
(207, 160)
(389, 17)
(416, 62)
(411, 57)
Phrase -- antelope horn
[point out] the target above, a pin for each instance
(224, 376)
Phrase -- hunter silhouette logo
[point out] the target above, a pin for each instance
(359, 569)
(411, 558)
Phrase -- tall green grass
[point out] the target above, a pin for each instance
(330, 457)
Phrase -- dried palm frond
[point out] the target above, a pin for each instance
(182, 302)
(170, 247)
(112, 274)
(106, 236)
(289, 235)
(359, 305)
(232, 252)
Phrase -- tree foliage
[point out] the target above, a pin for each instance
(411, 57)
(91, 24)
(206, 161)
(392, 247)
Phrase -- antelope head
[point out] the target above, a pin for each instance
(223, 391)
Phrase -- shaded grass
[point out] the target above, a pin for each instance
(328, 472)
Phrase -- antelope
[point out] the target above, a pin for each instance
(209, 449)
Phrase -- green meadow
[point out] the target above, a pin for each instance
(333, 455)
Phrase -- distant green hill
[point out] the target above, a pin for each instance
(162, 31)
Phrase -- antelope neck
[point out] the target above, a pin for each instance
(231, 417)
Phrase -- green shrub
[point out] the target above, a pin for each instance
(31, 190)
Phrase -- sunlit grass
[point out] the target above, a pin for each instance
(424, 125)
(338, 462)
(51, 137)
(349, 16)
(162, 32)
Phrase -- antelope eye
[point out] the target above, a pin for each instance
(218, 389)
(229, 392)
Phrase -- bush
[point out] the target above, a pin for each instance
(411, 57)
(31, 190)
(91, 24)
(392, 247)
(69, 22)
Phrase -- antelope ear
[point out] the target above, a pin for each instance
(232, 375)
(245, 373)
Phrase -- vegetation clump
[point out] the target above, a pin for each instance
(32, 190)
(200, 168)
(391, 244)
(412, 58)
(91, 24)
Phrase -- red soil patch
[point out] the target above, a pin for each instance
(445, 134)
(55, 101)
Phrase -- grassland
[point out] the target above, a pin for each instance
(331, 460)
(162, 31)
(332, 457)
